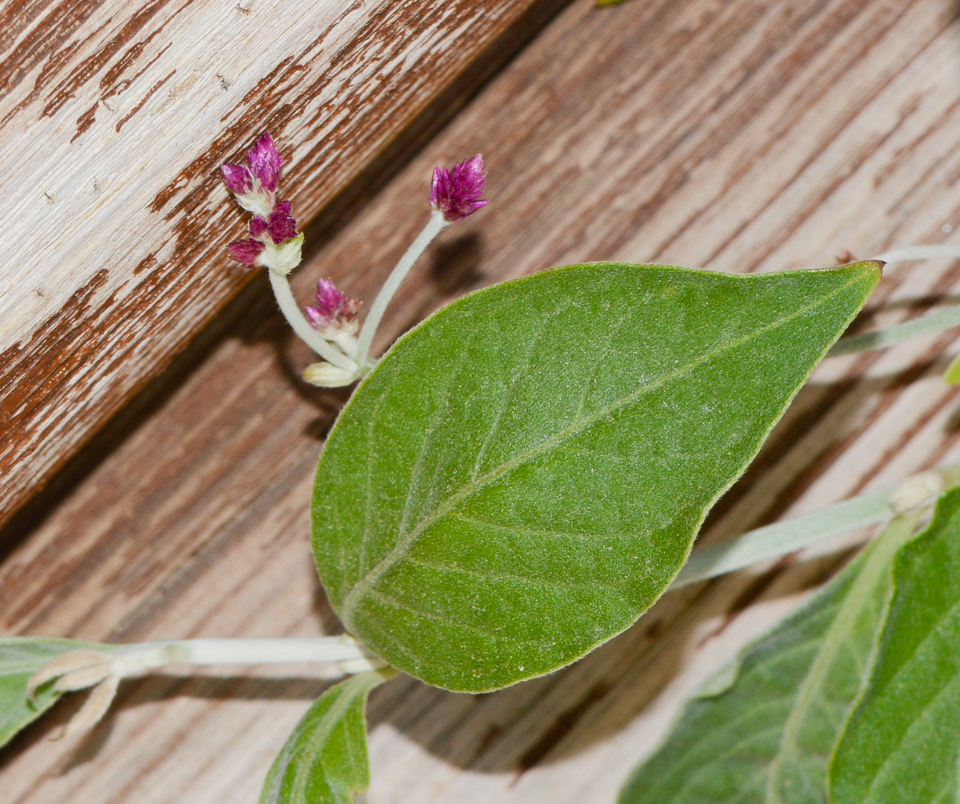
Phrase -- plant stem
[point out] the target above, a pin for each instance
(943, 250)
(434, 226)
(349, 655)
(298, 322)
(78, 670)
(924, 325)
(783, 538)
(261, 651)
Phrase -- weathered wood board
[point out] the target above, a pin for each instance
(114, 119)
(739, 135)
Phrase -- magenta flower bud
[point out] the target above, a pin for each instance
(237, 178)
(281, 224)
(255, 186)
(246, 251)
(335, 312)
(265, 163)
(258, 227)
(456, 191)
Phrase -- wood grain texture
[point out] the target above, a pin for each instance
(740, 135)
(114, 119)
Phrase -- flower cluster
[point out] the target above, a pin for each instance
(335, 313)
(274, 242)
(330, 325)
(456, 191)
(335, 318)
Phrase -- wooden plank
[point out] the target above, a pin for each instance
(746, 135)
(114, 119)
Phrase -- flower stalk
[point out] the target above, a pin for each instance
(930, 324)
(454, 195)
(435, 225)
(283, 293)
(783, 538)
(274, 244)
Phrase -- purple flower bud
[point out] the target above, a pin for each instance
(265, 163)
(258, 227)
(237, 178)
(281, 224)
(335, 312)
(245, 251)
(456, 191)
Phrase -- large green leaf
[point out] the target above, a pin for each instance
(765, 737)
(524, 473)
(903, 741)
(325, 759)
(20, 658)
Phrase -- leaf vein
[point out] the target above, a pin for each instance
(404, 542)
(503, 576)
(510, 389)
(449, 622)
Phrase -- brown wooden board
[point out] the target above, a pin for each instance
(114, 118)
(745, 135)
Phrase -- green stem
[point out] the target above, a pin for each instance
(946, 318)
(939, 251)
(434, 226)
(298, 322)
(136, 658)
(261, 651)
(783, 538)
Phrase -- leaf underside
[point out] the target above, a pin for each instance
(20, 658)
(324, 761)
(767, 737)
(903, 740)
(524, 473)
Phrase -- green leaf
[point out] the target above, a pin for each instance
(903, 741)
(325, 759)
(952, 374)
(524, 473)
(765, 735)
(20, 658)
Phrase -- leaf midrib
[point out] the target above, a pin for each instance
(850, 608)
(406, 541)
(352, 689)
(918, 714)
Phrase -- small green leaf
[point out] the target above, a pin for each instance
(766, 737)
(524, 473)
(20, 658)
(325, 759)
(952, 374)
(903, 741)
